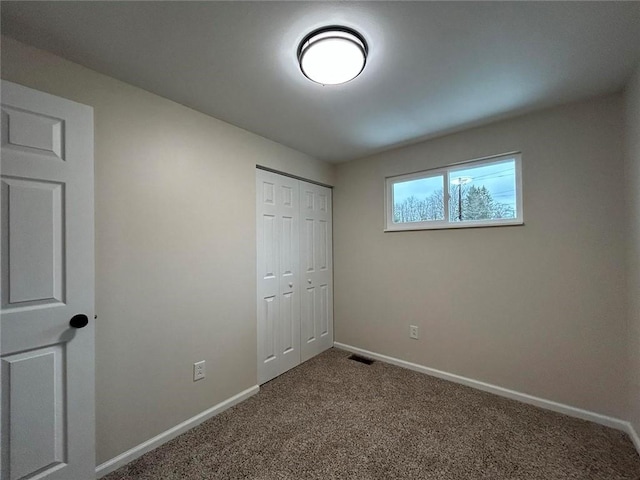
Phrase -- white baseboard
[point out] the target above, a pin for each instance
(139, 450)
(634, 435)
(504, 392)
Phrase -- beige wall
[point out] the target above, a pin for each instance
(632, 173)
(175, 248)
(538, 308)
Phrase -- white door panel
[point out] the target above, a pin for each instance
(46, 243)
(33, 212)
(36, 428)
(317, 254)
(278, 273)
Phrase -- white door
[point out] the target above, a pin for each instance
(278, 281)
(316, 256)
(47, 374)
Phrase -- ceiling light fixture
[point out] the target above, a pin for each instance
(332, 55)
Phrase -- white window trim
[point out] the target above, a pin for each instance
(445, 172)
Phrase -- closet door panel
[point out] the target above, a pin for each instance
(317, 253)
(278, 308)
(267, 284)
(288, 275)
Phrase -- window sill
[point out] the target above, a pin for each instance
(452, 226)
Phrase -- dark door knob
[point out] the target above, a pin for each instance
(79, 321)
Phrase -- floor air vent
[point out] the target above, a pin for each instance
(361, 359)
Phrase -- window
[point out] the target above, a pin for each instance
(478, 193)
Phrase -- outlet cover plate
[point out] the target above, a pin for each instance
(413, 332)
(199, 370)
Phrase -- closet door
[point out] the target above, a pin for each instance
(316, 255)
(278, 265)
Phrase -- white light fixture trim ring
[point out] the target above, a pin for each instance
(332, 55)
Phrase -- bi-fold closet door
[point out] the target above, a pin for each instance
(294, 272)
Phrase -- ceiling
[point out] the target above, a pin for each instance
(433, 67)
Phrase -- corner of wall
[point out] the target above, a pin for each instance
(632, 177)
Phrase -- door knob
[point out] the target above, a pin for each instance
(290, 285)
(309, 280)
(79, 321)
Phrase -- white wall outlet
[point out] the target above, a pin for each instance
(413, 332)
(198, 371)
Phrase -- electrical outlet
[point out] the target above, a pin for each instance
(413, 332)
(198, 371)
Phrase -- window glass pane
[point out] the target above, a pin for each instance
(418, 200)
(486, 192)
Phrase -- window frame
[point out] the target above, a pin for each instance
(445, 172)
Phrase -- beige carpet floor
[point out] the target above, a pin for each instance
(333, 418)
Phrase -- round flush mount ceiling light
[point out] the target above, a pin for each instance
(332, 55)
